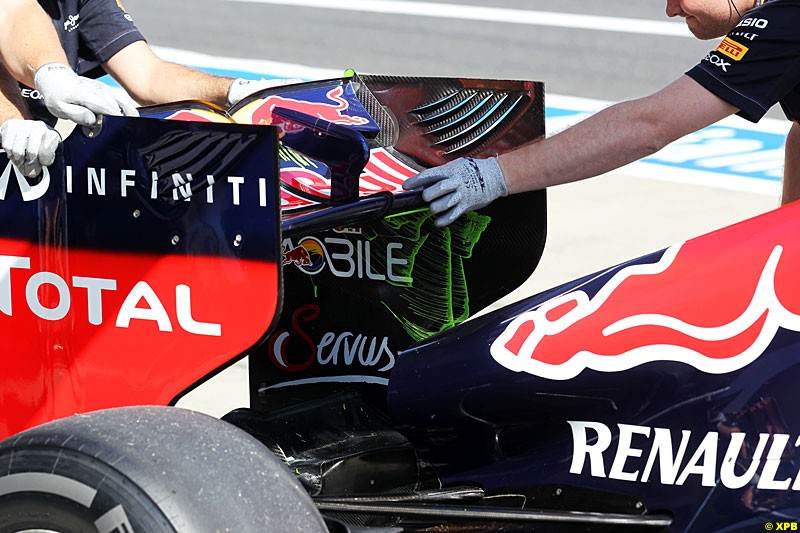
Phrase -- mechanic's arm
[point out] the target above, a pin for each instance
(616, 136)
(151, 80)
(29, 144)
(605, 141)
(791, 167)
(31, 52)
(12, 105)
(27, 39)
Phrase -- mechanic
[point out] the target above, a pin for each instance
(55, 47)
(29, 144)
(756, 66)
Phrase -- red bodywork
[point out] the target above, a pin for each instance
(65, 366)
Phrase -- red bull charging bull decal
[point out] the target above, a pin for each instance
(338, 105)
(333, 109)
(714, 303)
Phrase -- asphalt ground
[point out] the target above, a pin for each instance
(592, 224)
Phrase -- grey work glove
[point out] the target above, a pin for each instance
(79, 99)
(241, 87)
(459, 186)
(29, 144)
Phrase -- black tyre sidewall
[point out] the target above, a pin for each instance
(170, 469)
(66, 491)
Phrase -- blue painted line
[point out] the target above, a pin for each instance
(732, 151)
(556, 112)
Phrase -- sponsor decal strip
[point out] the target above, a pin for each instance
(645, 454)
(732, 49)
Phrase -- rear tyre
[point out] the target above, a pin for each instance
(147, 469)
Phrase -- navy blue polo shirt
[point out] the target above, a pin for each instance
(758, 63)
(91, 32)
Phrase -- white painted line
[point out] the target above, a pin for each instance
(256, 66)
(674, 28)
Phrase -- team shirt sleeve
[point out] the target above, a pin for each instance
(106, 28)
(758, 63)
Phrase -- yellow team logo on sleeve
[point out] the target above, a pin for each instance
(732, 49)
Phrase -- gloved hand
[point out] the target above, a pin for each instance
(241, 87)
(79, 99)
(29, 144)
(459, 186)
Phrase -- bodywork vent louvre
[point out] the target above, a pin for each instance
(455, 117)
(467, 118)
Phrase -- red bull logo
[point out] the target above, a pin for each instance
(714, 303)
(332, 111)
(309, 255)
(297, 256)
(348, 257)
